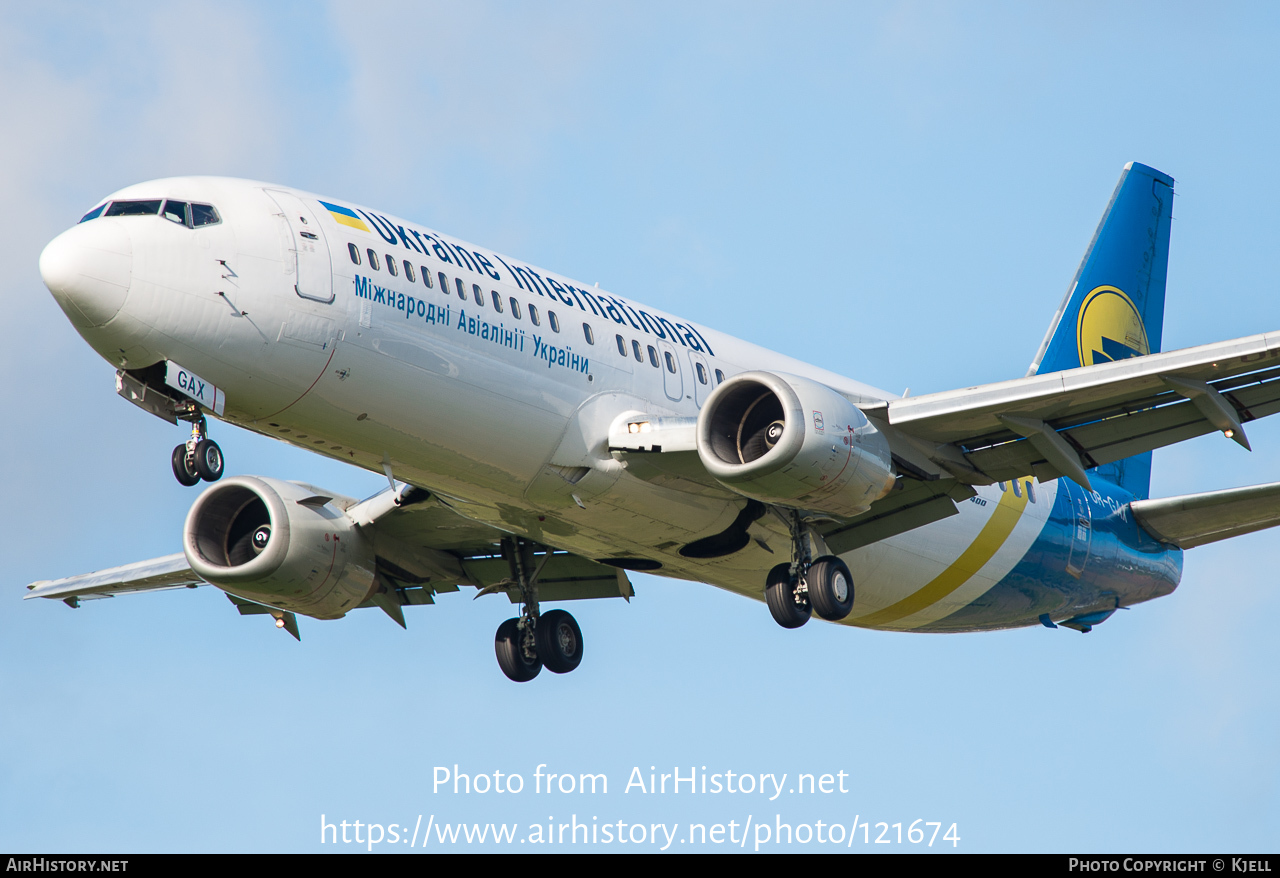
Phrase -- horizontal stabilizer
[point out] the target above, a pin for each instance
(1196, 519)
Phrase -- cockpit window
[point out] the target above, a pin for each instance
(94, 214)
(204, 215)
(175, 211)
(133, 208)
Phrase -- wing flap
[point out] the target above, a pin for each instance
(1086, 393)
(1192, 520)
(1104, 413)
(562, 577)
(910, 505)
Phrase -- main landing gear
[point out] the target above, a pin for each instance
(199, 457)
(534, 640)
(794, 591)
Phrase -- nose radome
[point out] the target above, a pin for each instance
(88, 268)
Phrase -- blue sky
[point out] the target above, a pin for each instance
(897, 192)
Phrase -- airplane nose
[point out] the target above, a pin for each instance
(88, 268)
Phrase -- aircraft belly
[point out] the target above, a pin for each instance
(911, 580)
(1125, 566)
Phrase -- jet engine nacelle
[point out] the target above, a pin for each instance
(279, 544)
(794, 442)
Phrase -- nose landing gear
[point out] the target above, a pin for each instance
(199, 457)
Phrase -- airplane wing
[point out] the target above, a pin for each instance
(1063, 423)
(422, 547)
(171, 571)
(1057, 424)
(1197, 519)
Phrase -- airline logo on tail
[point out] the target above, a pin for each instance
(1109, 328)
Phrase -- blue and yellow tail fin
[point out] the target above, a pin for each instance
(1114, 308)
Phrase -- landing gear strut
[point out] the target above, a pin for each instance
(794, 591)
(199, 457)
(526, 644)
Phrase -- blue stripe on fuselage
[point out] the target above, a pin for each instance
(1119, 564)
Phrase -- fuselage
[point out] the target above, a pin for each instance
(493, 383)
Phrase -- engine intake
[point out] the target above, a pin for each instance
(791, 441)
(275, 543)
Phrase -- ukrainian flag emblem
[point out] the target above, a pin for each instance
(345, 216)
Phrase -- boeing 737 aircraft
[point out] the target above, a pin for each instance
(542, 437)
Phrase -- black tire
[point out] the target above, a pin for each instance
(559, 642)
(185, 475)
(780, 595)
(830, 588)
(209, 462)
(506, 643)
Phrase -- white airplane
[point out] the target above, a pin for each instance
(541, 437)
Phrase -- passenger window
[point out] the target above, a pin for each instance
(588, 334)
(175, 211)
(533, 315)
(94, 214)
(554, 321)
(391, 265)
(719, 377)
(671, 361)
(653, 358)
(444, 283)
(462, 288)
(408, 271)
(355, 253)
(622, 345)
(1002, 487)
(133, 208)
(426, 276)
(477, 294)
(515, 307)
(1017, 488)
(635, 349)
(1031, 491)
(204, 215)
(373, 259)
(497, 300)
(702, 373)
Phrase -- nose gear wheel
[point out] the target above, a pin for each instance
(199, 457)
(184, 467)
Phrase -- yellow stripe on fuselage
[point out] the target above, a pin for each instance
(993, 535)
(353, 222)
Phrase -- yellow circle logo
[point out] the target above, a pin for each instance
(1109, 328)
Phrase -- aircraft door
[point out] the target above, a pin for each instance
(313, 274)
(1081, 524)
(672, 374)
(701, 377)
